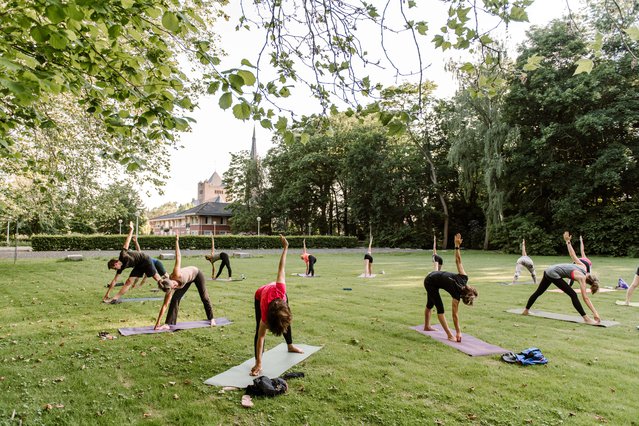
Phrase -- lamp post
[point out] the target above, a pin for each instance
(214, 223)
(120, 222)
(8, 230)
(258, 231)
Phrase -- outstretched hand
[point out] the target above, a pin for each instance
(567, 236)
(131, 225)
(458, 240)
(284, 241)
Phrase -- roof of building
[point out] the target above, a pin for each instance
(205, 209)
(215, 179)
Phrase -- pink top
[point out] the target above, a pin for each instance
(305, 257)
(267, 293)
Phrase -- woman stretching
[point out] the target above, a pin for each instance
(309, 260)
(586, 262)
(438, 262)
(272, 312)
(223, 257)
(526, 262)
(368, 259)
(577, 271)
(456, 286)
(178, 283)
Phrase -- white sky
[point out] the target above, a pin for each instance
(217, 133)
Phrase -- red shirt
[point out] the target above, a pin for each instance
(267, 293)
(305, 257)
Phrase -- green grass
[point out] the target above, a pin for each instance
(372, 370)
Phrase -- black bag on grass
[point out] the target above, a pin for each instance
(263, 386)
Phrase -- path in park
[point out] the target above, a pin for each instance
(27, 253)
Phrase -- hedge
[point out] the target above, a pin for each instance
(193, 242)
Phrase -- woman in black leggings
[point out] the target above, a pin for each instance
(456, 286)
(575, 271)
(222, 257)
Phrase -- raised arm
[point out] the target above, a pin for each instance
(304, 245)
(434, 244)
(167, 299)
(523, 247)
(281, 269)
(571, 251)
(212, 246)
(581, 247)
(178, 257)
(370, 244)
(458, 260)
(128, 237)
(135, 241)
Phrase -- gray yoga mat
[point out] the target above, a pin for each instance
(306, 276)
(139, 299)
(366, 276)
(516, 282)
(562, 317)
(179, 326)
(623, 303)
(274, 362)
(469, 345)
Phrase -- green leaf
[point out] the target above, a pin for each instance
(485, 39)
(411, 3)
(289, 137)
(213, 87)
(396, 128)
(583, 65)
(246, 63)
(533, 63)
(170, 22)
(58, 41)
(127, 3)
(467, 68)
(247, 76)
(242, 111)
(4, 62)
(40, 34)
(305, 138)
(153, 12)
(422, 27)
(75, 13)
(518, 14)
(597, 44)
(266, 124)
(226, 100)
(284, 92)
(281, 124)
(55, 14)
(633, 33)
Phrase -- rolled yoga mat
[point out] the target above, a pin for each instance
(274, 362)
(562, 317)
(469, 345)
(179, 326)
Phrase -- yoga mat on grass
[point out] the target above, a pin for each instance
(469, 345)
(274, 362)
(562, 317)
(139, 299)
(306, 276)
(578, 290)
(623, 303)
(179, 326)
(516, 283)
(366, 276)
(226, 279)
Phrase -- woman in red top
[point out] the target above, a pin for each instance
(272, 312)
(310, 260)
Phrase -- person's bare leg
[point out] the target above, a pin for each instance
(427, 315)
(631, 289)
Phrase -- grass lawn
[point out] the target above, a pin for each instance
(372, 369)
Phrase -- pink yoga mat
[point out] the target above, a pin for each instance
(469, 345)
(179, 326)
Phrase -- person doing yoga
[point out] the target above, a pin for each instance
(525, 262)
(222, 257)
(632, 287)
(174, 288)
(577, 271)
(456, 285)
(159, 266)
(309, 260)
(368, 259)
(272, 312)
(587, 262)
(141, 263)
(438, 262)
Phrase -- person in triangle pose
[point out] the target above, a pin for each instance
(577, 271)
(454, 284)
(309, 260)
(438, 262)
(632, 287)
(525, 262)
(224, 261)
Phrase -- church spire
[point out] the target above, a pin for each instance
(254, 147)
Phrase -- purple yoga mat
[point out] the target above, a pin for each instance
(469, 345)
(179, 326)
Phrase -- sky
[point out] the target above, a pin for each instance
(216, 133)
